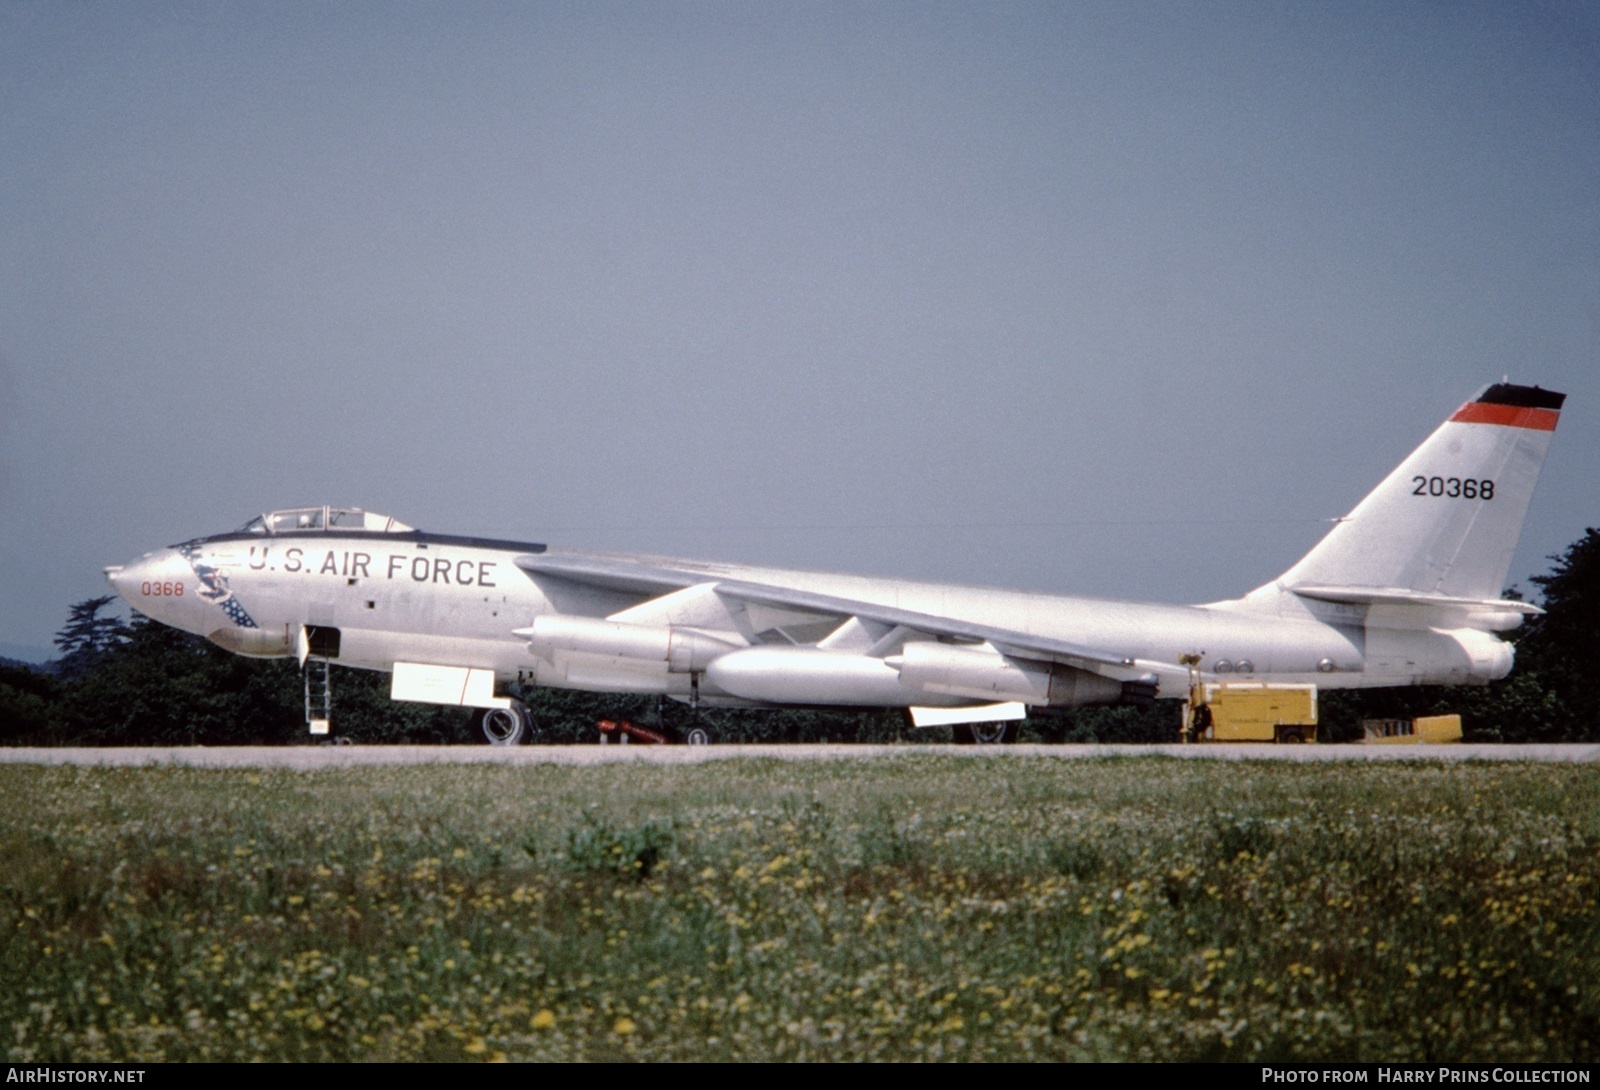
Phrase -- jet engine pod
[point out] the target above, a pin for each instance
(988, 675)
(682, 651)
(809, 675)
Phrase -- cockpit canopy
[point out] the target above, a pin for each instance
(301, 519)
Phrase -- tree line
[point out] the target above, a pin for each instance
(138, 682)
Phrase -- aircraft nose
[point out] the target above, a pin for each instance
(117, 575)
(158, 584)
(125, 578)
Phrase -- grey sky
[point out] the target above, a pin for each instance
(1116, 299)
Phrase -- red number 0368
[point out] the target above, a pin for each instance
(161, 590)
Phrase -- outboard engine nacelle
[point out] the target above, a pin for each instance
(983, 674)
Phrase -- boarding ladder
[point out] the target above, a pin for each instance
(319, 694)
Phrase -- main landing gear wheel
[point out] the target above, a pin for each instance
(507, 726)
(697, 736)
(984, 734)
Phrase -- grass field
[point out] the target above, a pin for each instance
(922, 906)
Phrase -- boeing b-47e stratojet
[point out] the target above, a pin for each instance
(1405, 590)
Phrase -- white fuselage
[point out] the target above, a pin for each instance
(421, 598)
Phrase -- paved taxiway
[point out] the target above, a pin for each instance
(330, 756)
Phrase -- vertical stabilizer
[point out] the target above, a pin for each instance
(1447, 520)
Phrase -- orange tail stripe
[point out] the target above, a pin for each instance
(1511, 416)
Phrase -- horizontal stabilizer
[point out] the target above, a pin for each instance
(1403, 597)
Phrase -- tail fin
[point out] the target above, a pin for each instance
(1445, 523)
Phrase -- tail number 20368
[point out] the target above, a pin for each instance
(1453, 487)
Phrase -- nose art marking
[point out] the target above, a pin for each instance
(216, 588)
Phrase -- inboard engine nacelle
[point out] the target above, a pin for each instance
(681, 651)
